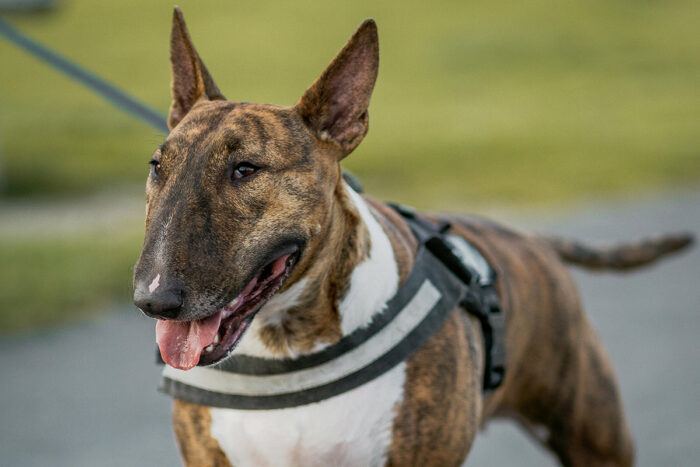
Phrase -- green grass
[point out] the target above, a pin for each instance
(510, 102)
(500, 102)
(49, 281)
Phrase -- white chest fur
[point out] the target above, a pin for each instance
(351, 429)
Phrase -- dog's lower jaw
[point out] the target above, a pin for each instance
(184, 344)
(272, 316)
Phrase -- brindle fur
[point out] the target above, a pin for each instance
(192, 423)
(211, 236)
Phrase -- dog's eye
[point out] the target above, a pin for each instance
(242, 170)
(155, 168)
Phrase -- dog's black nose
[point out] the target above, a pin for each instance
(160, 303)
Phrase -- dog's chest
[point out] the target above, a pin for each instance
(353, 428)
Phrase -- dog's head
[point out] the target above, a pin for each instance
(240, 195)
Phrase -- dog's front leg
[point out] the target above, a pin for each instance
(192, 425)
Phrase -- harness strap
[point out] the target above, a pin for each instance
(411, 317)
(448, 272)
(480, 298)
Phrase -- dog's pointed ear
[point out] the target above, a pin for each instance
(335, 106)
(191, 80)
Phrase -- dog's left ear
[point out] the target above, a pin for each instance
(335, 106)
(191, 79)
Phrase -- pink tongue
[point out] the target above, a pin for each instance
(181, 342)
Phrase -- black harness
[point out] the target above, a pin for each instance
(479, 296)
(447, 272)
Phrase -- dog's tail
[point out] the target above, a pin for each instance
(620, 257)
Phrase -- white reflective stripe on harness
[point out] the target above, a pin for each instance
(470, 256)
(409, 318)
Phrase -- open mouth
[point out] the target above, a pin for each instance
(184, 344)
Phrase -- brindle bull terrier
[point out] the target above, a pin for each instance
(255, 241)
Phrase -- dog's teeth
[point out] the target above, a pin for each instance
(217, 339)
(209, 348)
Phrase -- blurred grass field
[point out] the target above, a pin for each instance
(502, 102)
(53, 280)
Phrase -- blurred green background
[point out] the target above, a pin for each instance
(498, 103)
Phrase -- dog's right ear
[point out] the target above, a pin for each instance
(191, 80)
(335, 106)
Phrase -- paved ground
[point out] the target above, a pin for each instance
(105, 211)
(85, 395)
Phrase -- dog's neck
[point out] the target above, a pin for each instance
(350, 278)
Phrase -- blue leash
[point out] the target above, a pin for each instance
(108, 91)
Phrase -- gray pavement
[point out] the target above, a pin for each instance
(84, 395)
